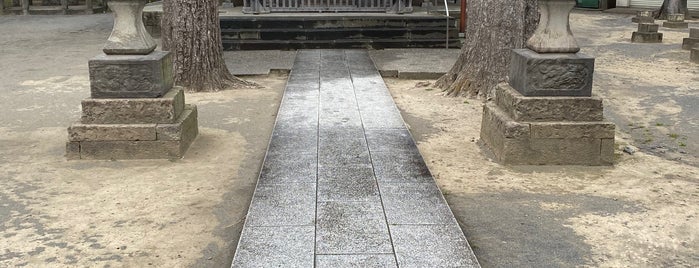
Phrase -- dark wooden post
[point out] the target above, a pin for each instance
(88, 7)
(2, 6)
(25, 7)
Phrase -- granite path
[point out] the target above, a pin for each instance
(343, 183)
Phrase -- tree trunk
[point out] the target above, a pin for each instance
(493, 29)
(673, 7)
(192, 33)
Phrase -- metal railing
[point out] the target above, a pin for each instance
(267, 6)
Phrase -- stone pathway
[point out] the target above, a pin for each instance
(343, 183)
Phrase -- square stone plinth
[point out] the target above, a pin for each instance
(521, 130)
(551, 74)
(641, 37)
(131, 76)
(133, 141)
(162, 110)
(546, 143)
(694, 55)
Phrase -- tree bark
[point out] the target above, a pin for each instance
(493, 29)
(673, 7)
(192, 33)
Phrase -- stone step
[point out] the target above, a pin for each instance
(346, 31)
(329, 44)
(338, 34)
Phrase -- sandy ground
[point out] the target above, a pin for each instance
(188, 213)
(640, 213)
(58, 213)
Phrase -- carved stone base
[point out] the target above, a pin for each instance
(641, 37)
(551, 74)
(131, 76)
(578, 136)
(643, 16)
(143, 128)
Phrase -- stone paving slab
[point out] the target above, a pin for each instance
(344, 178)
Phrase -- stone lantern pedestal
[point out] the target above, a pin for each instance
(546, 114)
(134, 111)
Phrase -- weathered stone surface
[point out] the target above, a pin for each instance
(552, 143)
(106, 150)
(432, 246)
(694, 55)
(72, 150)
(356, 260)
(291, 204)
(134, 111)
(131, 76)
(648, 27)
(351, 228)
(279, 246)
(111, 132)
(689, 43)
(640, 37)
(694, 33)
(551, 74)
(676, 25)
(553, 33)
(607, 147)
(643, 20)
(643, 16)
(129, 35)
(679, 17)
(542, 109)
(569, 130)
(185, 124)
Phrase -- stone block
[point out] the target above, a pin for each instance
(72, 150)
(134, 111)
(550, 143)
(640, 37)
(694, 55)
(648, 27)
(344, 227)
(111, 132)
(689, 43)
(607, 147)
(676, 25)
(109, 150)
(131, 76)
(551, 74)
(185, 125)
(441, 245)
(572, 130)
(542, 109)
(694, 33)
